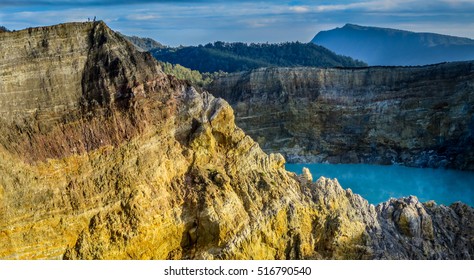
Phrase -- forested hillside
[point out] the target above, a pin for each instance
(233, 57)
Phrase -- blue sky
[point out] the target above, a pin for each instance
(198, 22)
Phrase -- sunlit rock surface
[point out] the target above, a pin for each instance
(102, 156)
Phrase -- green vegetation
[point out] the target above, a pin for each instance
(193, 76)
(233, 57)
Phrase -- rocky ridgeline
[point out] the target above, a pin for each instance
(417, 116)
(103, 156)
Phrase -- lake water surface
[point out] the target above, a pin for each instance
(378, 183)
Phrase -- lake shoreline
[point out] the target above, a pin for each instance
(379, 183)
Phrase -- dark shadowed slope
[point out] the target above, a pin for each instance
(232, 57)
(417, 116)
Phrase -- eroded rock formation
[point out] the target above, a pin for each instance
(417, 116)
(103, 156)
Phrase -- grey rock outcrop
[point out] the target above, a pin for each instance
(397, 229)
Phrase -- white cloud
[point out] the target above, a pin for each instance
(414, 6)
(190, 22)
(259, 23)
(384, 5)
(300, 9)
(142, 17)
(458, 2)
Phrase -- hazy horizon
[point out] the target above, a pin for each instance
(184, 22)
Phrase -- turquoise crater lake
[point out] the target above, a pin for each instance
(378, 183)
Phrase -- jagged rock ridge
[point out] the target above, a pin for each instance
(417, 116)
(125, 162)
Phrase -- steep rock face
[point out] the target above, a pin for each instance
(61, 77)
(139, 165)
(77, 60)
(142, 166)
(418, 116)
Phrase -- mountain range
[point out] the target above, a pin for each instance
(385, 46)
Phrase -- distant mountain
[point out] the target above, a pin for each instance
(4, 29)
(384, 46)
(232, 57)
(143, 44)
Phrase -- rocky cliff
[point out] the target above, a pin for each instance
(103, 156)
(417, 116)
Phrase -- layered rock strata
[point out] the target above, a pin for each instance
(105, 157)
(417, 116)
